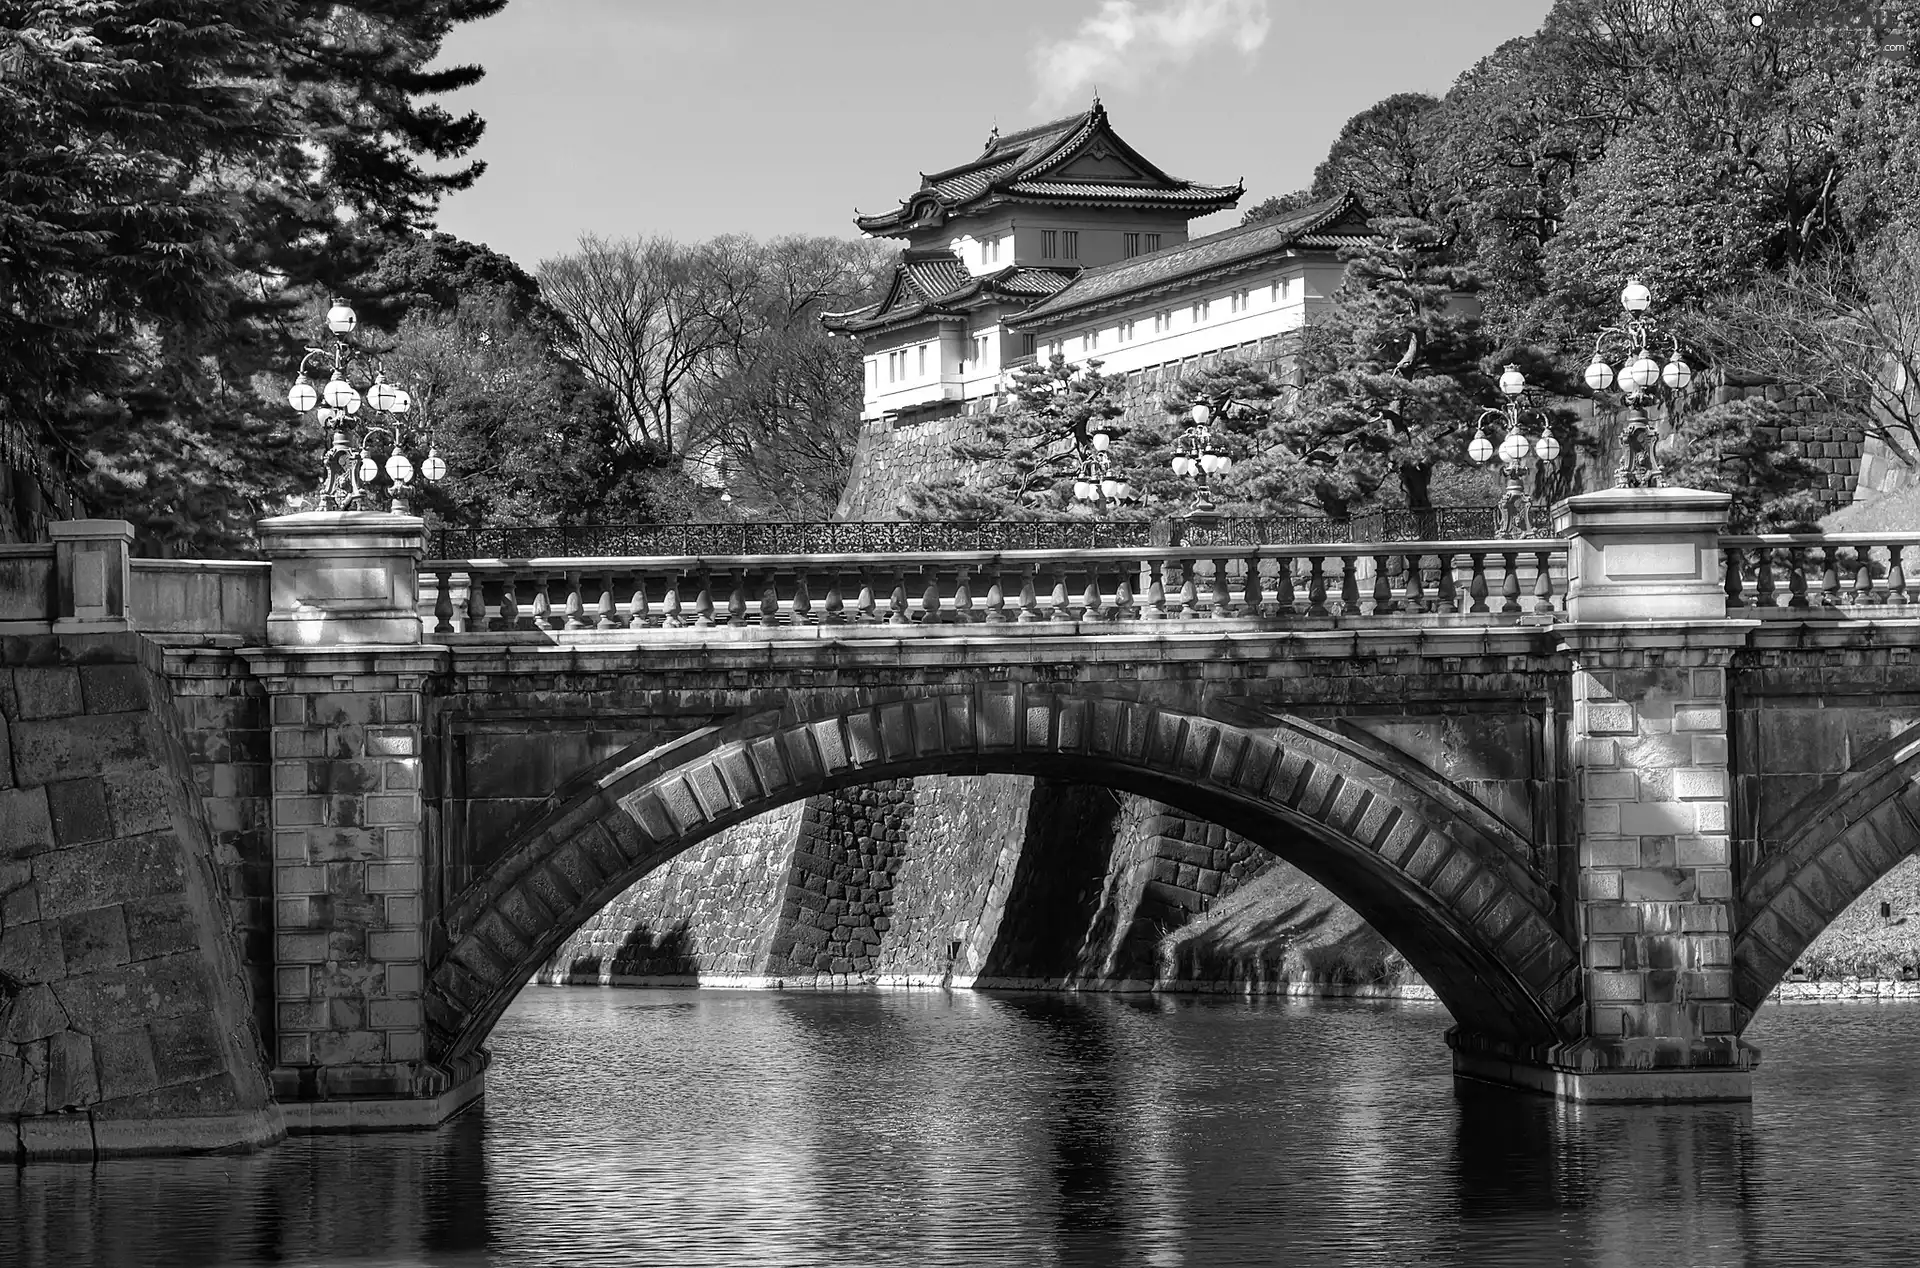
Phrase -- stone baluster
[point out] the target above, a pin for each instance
(1349, 586)
(1029, 599)
(865, 606)
(1510, 581)
(576, 603)
(443, 601)
(930, 605)
(802, 598)
(1735, 584)
(1897, 576)
(1124, 608)
(834, 606)
(1415, 589)
(1763, 591)
(1057, 601)
(476, 603)
(1189, 591)
(1383, 600)
(1156, 605)
(1830, 577)
(1446, 598)
(1543, 581)
(1283, 596)
(1220, 603)
(897, 605)
(1091, 608)
(737, 599)
(769, 600)
(1477, 585)
(638, 617)
(1863, 592)
(1317, 586)
(671, 614)
(542, 603)
(509, 618)
(962, 597)
(703, 600)
(996, 600)
(1796, 577)
(1253, 600)
(603, 607)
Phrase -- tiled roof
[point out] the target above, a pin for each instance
(1132, 193)
(1016, 167)
(1336, 221)
(910, 298)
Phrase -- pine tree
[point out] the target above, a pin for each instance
(1242, 399)
(1736, 448)
(1393, 383)
(181, 176)
(1024, 460)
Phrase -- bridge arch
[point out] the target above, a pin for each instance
(1840, 845)
(1452, 886)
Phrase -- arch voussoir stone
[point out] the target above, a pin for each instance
(1440, 874)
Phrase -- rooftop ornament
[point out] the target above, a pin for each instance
(363, 472)
(1639, 376)
(1514, 517)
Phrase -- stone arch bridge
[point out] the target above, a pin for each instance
(1693, 752)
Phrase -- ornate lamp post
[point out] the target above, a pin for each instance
(354, 472)
(1097, 483)
(1638, 376)
(1516, 505)
(1198, 456)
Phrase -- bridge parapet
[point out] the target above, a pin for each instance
(1322, 585)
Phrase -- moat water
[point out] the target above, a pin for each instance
(921, 1128)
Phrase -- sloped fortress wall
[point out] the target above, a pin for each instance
(126, 1023)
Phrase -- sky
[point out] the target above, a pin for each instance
(630, 118)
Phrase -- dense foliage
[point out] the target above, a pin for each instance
(177, 179)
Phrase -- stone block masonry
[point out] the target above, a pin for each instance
(351, 892)
(126, 1023)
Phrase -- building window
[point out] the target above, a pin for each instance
(1026, 345)
(1049, 245)
(1246, 300)
(1275, 297)
(1153, 242)
(923, 359)
(996, 247)
(1056, 348)
(1069, 244)
(1132, 241)
(980, 349)
(1126, 332)
(1202, 309)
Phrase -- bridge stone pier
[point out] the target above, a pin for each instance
(1569, 779)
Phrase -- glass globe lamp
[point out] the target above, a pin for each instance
(1512, 382)
(1634, 296)
(382, 395)
(1479, 448)
(1200, 414)
(435, 467)
(1676, 374)
(400, 467)
(369, 471)
(1514, 447)
(1599, 376)
(302, 395)
(1640, 374)
(1547, 447)
(340, 394)
(341, 319)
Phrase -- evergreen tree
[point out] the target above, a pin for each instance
(1023, 461)
(1241, 399)
(1392, 383)
(1736, 448)
(181, 176)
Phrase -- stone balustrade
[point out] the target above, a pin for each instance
(1398, 583)
(1794, 574)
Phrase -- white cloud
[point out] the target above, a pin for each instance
(1124, 42)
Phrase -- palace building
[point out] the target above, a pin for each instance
(1063, 238)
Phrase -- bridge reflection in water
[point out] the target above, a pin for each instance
(926, 1128)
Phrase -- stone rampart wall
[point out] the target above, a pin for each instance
(125, 1017)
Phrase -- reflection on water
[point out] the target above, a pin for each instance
(659, 1127)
